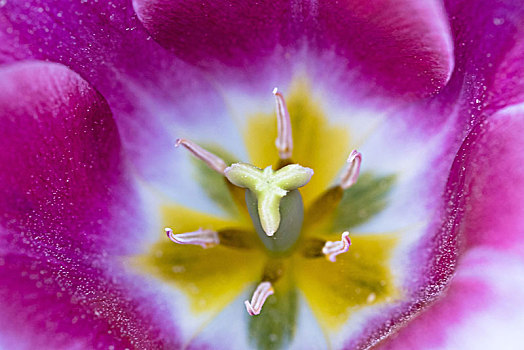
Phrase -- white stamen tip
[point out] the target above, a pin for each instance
(332, 249)
(264, 290)
(352, 170)
(213, 161)
(203, 238)
(284, 141)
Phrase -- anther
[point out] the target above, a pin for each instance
(264, 290)
(350, 173)
(284, 141)
(332, 249)
(203, 238)
(213, 161)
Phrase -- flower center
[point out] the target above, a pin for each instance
(273, 201)
(284, 230)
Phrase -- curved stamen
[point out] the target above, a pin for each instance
(260, 295)
(284, 141)
(332, 249)
(350, 173)
(203, 238)
(213, 161)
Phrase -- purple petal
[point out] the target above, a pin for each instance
(58, 303)
(233, 34)
(67, 208)
(481, 309)
(488, 49)
(403, 47)
(487, 290)
(62, 180)
(398, 48)
(154, 96)
(492, 172)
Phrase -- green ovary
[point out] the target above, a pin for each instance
(212, 278)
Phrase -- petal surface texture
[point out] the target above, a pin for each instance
(62, 172)
(370, 38)
(64, 199)
(486, 293)
(93, 95)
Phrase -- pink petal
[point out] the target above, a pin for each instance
(481, 309)
(62, 179)
(399, 48)
(58, 303)
(404, 47)
(492, 171)
(154, 96)
(487, 292)
(488, 50)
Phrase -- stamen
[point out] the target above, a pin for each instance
(260, 295)
(213, 161)
(203, 238)
(284, 141)
(350, 174)
(332, 249)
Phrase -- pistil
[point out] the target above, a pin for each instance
(263, 291)
(269, 187)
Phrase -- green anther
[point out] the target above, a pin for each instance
(269, 187)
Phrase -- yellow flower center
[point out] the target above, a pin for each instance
(236, 260)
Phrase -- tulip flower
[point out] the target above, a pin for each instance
(266, 175)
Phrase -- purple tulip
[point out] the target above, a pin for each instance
(414, 242)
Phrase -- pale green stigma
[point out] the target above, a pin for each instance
(269, 187)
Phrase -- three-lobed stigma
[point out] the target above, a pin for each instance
(269, 187)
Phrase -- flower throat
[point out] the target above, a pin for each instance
(275, 206)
